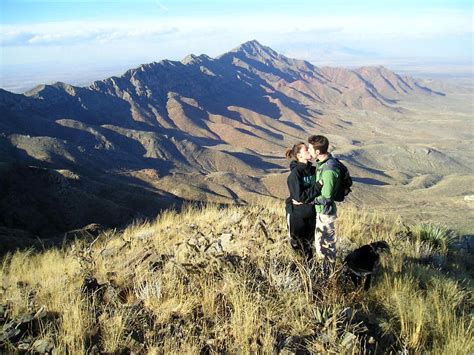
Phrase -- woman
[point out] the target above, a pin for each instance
(300, 212)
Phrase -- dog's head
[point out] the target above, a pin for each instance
(380, 247)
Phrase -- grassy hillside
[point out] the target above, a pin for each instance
(212, 279)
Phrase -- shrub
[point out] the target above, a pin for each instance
(438, 236)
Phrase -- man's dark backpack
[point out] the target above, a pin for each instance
(346, 180)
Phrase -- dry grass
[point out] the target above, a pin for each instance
(170, 286)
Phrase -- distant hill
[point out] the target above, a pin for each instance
(249, 98)
(198, 129)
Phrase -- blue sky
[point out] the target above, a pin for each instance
(61, 36)
(26, 11)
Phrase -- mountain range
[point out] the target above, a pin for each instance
(203, 128)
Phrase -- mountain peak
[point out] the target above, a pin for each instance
(255, 48)
(254, 44)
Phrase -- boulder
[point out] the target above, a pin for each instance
(42, 346)
(225, 240)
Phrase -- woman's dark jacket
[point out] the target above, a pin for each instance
(302, 186)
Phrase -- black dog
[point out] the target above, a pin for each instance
(361, 262)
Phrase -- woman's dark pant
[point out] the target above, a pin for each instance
(301, 222)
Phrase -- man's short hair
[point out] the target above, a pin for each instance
(320, 143)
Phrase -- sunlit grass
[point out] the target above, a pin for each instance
(161, 293)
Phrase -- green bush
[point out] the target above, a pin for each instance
(438, 236)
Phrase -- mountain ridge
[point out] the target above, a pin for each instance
(199, 128)
(251, 50)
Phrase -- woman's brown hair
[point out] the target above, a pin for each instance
(291, 152)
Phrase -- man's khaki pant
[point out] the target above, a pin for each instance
(325, 240)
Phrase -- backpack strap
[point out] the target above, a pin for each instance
(331, 164)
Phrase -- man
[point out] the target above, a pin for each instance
(326, 213)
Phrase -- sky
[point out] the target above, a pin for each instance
(79, 41)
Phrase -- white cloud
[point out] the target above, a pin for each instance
(430, 24)
(71, 33)
(79, 42)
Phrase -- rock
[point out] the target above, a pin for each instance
(23, 346)
(41, 313)
(226, 237)
(211, 342)
(156, 261)
(215, 249)
(10, 332)
(141, 257)
(42, 346)
(94, 350)
(2, 311)
(193, 242)
(204, 243)
(135, 346)
(107, 253)
(225, 240)
(184, 252)
(91, 230)
(199, 242)
(348, 340)
(14, 329)
(235, 218)
(324, 338)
